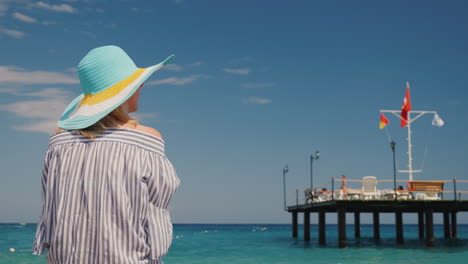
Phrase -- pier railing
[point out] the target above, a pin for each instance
(354, 189)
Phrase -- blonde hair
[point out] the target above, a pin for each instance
(111, 120)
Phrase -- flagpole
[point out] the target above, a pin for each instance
(410, 158)
(406, 120)
(410, 146)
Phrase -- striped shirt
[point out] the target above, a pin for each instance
(105, 200)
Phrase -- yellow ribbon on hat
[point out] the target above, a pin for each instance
(92, 99)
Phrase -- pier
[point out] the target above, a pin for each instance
(423, 201)
(424, 209)
(421, 197)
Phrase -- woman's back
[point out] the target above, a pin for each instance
(105, 199)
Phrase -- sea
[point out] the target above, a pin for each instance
(257, 243)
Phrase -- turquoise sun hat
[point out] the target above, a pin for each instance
(108, 77)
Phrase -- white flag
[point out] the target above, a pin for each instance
(437, 121)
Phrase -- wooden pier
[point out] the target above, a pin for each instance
(424, 208)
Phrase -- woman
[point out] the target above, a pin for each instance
(106, 182)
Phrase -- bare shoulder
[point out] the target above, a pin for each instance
(58, 129)
(149, 130)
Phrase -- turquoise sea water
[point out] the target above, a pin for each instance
(208, 243)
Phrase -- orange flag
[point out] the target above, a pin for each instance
(406, 107)
(383, 121)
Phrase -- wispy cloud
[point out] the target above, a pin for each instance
(12, 33)
(3, 9)
(178, 80)
(11, 91)
(242, 71)
(88, 34)
(4, 6)
(178, 68)
(42, 112)
(196, 63)
(71, 69)
(66, 8)
(145, 116)
(257, 85)
(49, 108)
(43, 126)
(12, 74)
(256, 100)
(173, 67)
(24, 18)
(46, 92)
(46, 23)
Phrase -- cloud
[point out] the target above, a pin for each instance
(12, 74)
(145, 116)
(256, 100)
(48, 108)
(24, 18)
(88, 34)
(257, 85)
(49, 93)
(12, 33)
(42, 112)
(178, 68)
(3, 7)
(242, 71)
(71, 69)
(44, 126)
(46, 92)
(178, 80)
(57, 8)
(197, 63)
(173, 67)
(11, 91)
(46, 23)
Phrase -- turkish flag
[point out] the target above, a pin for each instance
(406, 107)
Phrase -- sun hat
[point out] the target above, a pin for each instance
(108, 77)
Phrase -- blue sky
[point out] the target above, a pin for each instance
(255, 85)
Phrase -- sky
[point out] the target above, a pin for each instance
(255, 85)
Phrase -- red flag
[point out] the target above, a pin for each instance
(383, 121)
(406, 107)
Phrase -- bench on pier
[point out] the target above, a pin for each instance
(428, 190)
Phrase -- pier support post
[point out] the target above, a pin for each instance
(421, 224)
(376, 225)
(322, 228)
(342, 227)
(306, 226)
(454, 224)
(446, 224)
(429, 228)
(399, 226)
(357, 224)
(294, 224)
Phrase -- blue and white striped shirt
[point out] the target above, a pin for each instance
(105, 200)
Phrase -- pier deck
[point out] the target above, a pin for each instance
(424, 209)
